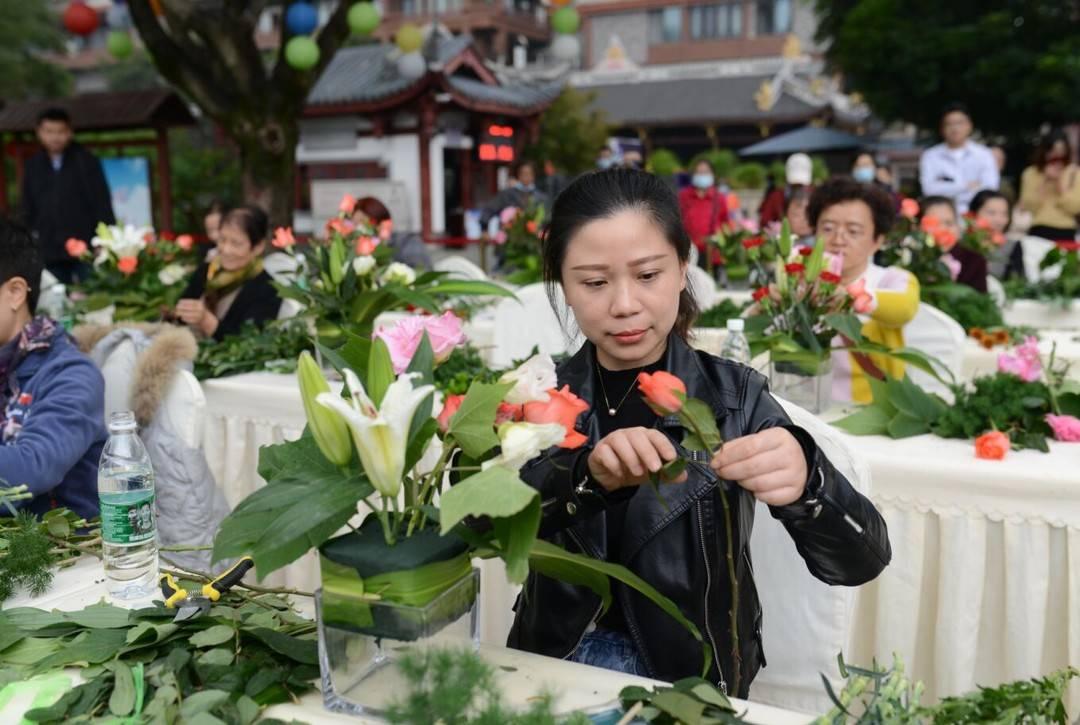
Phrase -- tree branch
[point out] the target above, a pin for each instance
(296, 84)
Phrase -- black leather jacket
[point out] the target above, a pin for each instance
(681, 549)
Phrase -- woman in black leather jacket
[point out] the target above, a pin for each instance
(617, 248)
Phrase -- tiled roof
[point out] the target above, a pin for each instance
(120, 110)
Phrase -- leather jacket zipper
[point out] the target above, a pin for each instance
(599, 607)
(708, 587)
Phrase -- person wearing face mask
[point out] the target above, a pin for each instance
(865, 170)
(521, 193)
(852, 220)
(606, 159)
(704, 209)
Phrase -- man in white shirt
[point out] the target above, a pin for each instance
(959, 168)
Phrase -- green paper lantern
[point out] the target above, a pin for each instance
(302, 53)
(119, 44)
(363, 18)
(566, 20)
(409, 38)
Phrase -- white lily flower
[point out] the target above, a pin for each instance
(125, 240)
(532, 379)
(522, 442)
(381, 434)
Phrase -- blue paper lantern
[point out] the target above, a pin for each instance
(301, 18)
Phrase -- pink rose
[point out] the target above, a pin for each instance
(750, 225)
(366, 246)
(445, 334)
(500, 237)
(1066, 427)
(185, 242)
(348, 203)
(909, 208)
(403, 338)
(508, 215)
(1024, 363)
(864, 304)
(857, 288)
(75, 247)
(953, 264)
(283, 238)
(386, 228)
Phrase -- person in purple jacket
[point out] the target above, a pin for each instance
(52, 397)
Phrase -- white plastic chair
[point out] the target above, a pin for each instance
(1034, 249)
(528, 321)
(936, 334)
(183, 411)
(703, 286)
(805, 622)
(459, 266)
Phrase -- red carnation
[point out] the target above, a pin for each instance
(794, 268)
(830, 277)
(806, 251)
(752, 242)
(760, 293)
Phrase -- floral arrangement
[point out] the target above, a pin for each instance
(520, 237)
(141, 274)
(390, 443)
(921, 247)
(349, 279)
(1024, 403)
(1061, 284)
(732, 241)
(979, 236)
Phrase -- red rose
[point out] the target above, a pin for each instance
(830, 278)
(806, 251)
(752, 242)
(562, 407)
(1069, 246)
(992, 446)
(794, 268)
(663, 392)
(760, 293)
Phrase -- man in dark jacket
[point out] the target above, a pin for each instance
(64, 194)
(52, 397)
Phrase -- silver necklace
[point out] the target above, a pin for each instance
(603, 389)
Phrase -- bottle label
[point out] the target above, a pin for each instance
(127, 520)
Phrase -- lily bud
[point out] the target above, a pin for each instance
(329, 429)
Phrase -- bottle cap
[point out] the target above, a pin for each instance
(122, 421)
(736, 324)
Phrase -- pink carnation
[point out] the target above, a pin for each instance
(1024, 363)
(403, 338)
(1066, 427)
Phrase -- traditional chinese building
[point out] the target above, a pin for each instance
(428, 145)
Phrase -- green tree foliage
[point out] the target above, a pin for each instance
(664, 162)
(1014, 63)
(571, 133)
(27, 30)
(202, 171)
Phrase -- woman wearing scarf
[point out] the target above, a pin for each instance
(232, 288)
(52, 397)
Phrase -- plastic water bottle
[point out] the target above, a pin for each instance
(126, 495)
(735, 346)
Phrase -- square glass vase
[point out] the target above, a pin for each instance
(807, 386)
(360, 646)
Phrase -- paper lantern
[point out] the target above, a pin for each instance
(80, 18)
(566, 21)
(119, 44)
(566, 48)
(409, 38)
(363, 18)
(301, 18)
(302, 53)
(412, 65)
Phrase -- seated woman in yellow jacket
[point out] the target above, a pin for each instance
(852, 220)
(1050, 190)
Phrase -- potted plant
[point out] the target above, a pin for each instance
(519, 235)
(438, 480)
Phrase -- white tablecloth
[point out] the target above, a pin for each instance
(1042, 315)
(984, 585)
(521, 675)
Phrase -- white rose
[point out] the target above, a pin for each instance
(905, 256)
(172, 274)
(363, 265)
(403, 274)
(522, 442)
(532, 379)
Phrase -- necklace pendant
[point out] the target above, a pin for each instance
(611, 412)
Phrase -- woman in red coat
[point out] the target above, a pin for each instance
(704, 209)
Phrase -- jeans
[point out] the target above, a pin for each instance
(610, 650)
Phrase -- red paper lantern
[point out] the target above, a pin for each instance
(80, 18)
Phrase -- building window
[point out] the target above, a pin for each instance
(773, 17)
(720, 20)
(665, 26)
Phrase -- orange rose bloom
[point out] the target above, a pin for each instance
(128, 265)
(663, 392)
(992, 446)
(909, 208)
(450, 406)
(75, 247)
(562, 407)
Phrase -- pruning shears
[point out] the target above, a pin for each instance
(196, 604)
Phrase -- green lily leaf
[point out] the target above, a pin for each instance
(870, 420)
(473, 425)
